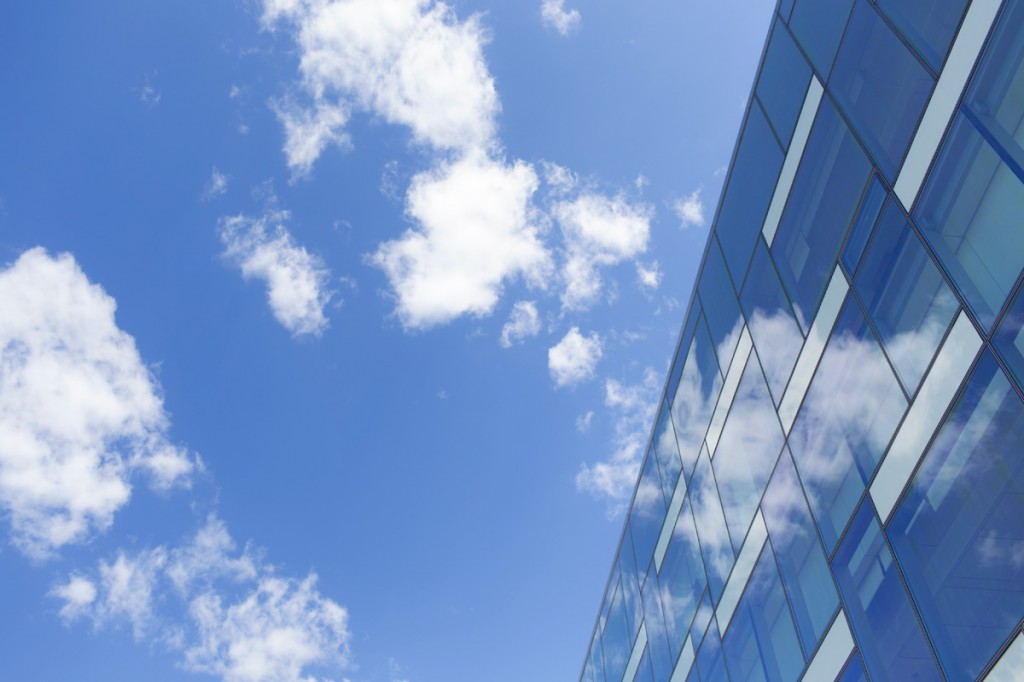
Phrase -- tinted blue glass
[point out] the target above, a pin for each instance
(616, 639)
(667, 452)
(1009, 338)
(683, 348)
(682, 579)
(848, 417)
(818, 26)
(630, 579)
(782, 85)
(969, 213)
(721, 309)
(928, 24)
(771, 322)
(702, 620)
(709, 657)
(749, 191)
(747, 450)
(644, 672)
(854, 671)
(905, 296)
(799, 554)
(881, 86)
(822, 203)
(785, 7)
(761, 642)
(959, 532)
(996, 95)
(880, 612)
(658, 645)
(647, 513)
(870, 207)
(695, 397)
(594, 669)
(712, 530)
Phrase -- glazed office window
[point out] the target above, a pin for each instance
(881, 86)
(822, 203)
(867, 216)
(616, 639)
(695, 397)
(818, 26)
(658, 645)
(929, 25)
(854, 671)
(996, 95)
(750, 189)
(846, 422)
(712, 530)
(667, 452)
(721, 309)
(709, 657)
(782, 85)
(594, 670)
(682, 579)
(773, 327)
(761, 642)
(958, 533)
(881, 615)
(702, 620)
(799, 553)
(968, 214)
(647, 513)
(747, 451)
(905, 296)
(630, 579)
(1009, 338)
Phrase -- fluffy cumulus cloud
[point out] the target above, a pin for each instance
(235, 617)
(598, 231)
(690, 210)
(309, 131)
(79, 411)
(523, 323)
(554, 15)
(574, 358)
(296, 280)
(476, 229)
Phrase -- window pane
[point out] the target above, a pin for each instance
(682, 579)
(928, 24)
(996, 95)
(667, 452)
(711, 527)
(1009, 339)
(618, 644)
(747, 451)
(969, 213)
(702, 619)
(773, 326)
(695, 397)
(818, 25)
(800, 556)
(721, 308)
(826, 191)
(761, 642)
(848, 417)
(594, 670)
(854, 671)
(782, 85)
(647, 513)
(644, 672)
(905, 296)
(881, 616)
(870, 207)
(881, 87)
(959, 534)
(709, 657)
(658, 646)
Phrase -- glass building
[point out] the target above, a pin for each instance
(834, 485)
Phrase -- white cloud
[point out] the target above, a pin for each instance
(476, 228)
(574, 358)
(297, 281)
(410, 62)
(554, 15)
(216, 186)
(235, 617)
(690, 210)
(523, 323)
(649, 276)
(79, 411)
(148, 93)
(308, 132)
(559, 179)
(584, 421)
(599, 231)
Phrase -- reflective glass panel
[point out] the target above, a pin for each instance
(870, 207)
(746, 453)
(959, 532)
(822, 204)
(703, 618)
(683, 349)
(711, 527)
(594, 670)
(905, 296)
(928, 24)
(818, 26)
(799, 554)
(996, 95)
(881, 616)
(782, 85)
(647, 513)
(644, 672)
(616, 639)
(848, 417)
(761, 642)
(658, 645)
(709, 657)
(750, 189)
(667, 452)
(772, 325)
(969, 214)
(721, 309)
(695, 398)
(881, 86)
(1009, 339)
(630, 579)
(682, 579)
(854, 671)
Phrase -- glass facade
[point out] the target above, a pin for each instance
(834, 484)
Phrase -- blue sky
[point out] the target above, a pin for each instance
(332, 331)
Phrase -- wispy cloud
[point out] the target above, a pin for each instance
(574, 358)
(554, 15)
(523, 323)
(148, 93)
(216, 185)
(690, 210)
(649, 275)
(297, 281)
(79, 411)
